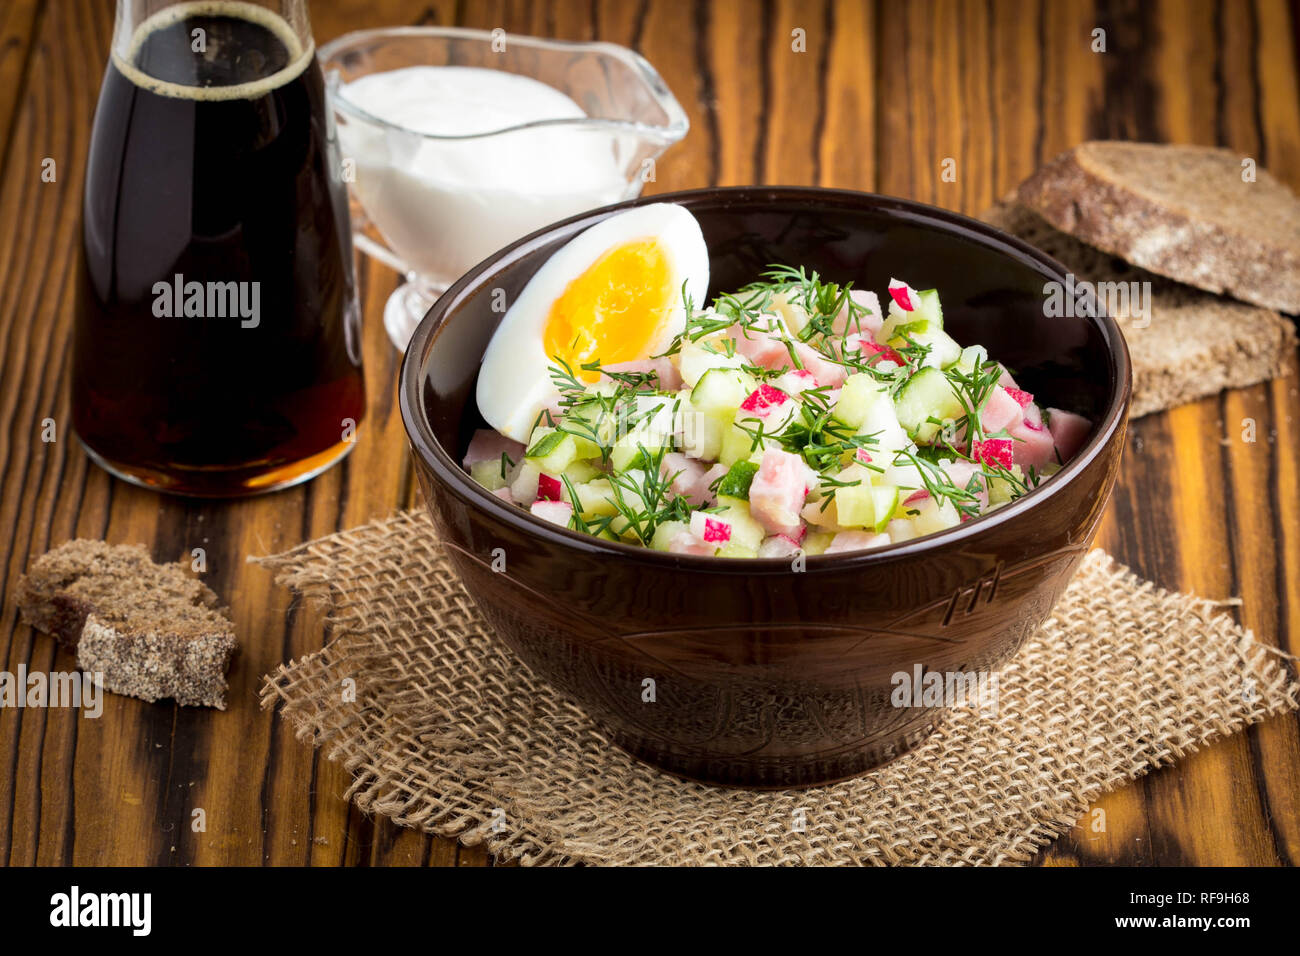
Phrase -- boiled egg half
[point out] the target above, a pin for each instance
(613, 294)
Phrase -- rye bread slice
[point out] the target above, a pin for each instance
(1182, 212)
(1196, 344)
(148, 630)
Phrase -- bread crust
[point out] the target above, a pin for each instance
(1103, 194)
(1196, 344)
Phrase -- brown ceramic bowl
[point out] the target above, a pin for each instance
(764, 676)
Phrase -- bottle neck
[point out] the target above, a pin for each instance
(218, 47)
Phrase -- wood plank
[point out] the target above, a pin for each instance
(882, 94)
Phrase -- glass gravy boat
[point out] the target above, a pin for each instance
(432, 206)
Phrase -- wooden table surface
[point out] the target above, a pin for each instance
(882, 95)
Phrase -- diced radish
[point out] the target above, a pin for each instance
(1001, 410)
(777, 492)
(862, 455)
(795, 381)
(902, 294)
(1034, 418)
(556, 512)
(994, 451)
(487, 445)
(548, 488)
(711, 529)
(763, 400)
(504, 494)
(1069, 431)
(662, 368)
(1022, 397)
(856, 541)
(916, 496)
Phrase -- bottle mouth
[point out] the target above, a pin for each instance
(674, 126)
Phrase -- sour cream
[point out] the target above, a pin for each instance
(443, 204)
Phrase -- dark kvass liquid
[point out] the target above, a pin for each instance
(214, 164)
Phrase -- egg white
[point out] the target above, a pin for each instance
(514, 384)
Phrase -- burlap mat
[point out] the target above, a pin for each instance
(449, 733)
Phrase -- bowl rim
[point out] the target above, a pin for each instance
(451, 476)
(666, 134)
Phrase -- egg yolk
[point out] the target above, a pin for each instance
(615, 311)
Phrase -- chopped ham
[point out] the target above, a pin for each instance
(777, 492)
(856, 541)
(1032, 446)
(869, 348)
(1006, 381)
(504, 494)
(866, 325)
(1069, 431)
(686, 543)
(771, 351)
(1000, 411)
(662, 368)
(688, 478)
(487, 445)
(706, 484)
(778, 546)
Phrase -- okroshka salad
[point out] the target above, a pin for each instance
(794, 415)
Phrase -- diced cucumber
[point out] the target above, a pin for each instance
(944, 351)
(627, 450)
(696, 358)
(701, 433)
(738, 444)
(970, 355)
(791, 313)
(590, 417)
(928, 307)
(1001, 490)
(927, 394)
(933, 515)
(580, 472)
(552, 450)
(720, 391)
(816, 542)
(488, 474)
(733, 549)
(595, 496)
(735, 483)
(900, 529)
(885, 498)
(854, 506)
(524, 486)
(665, 532)
(860, 394)
(898, 324)
(745, 531)
(864, 505)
